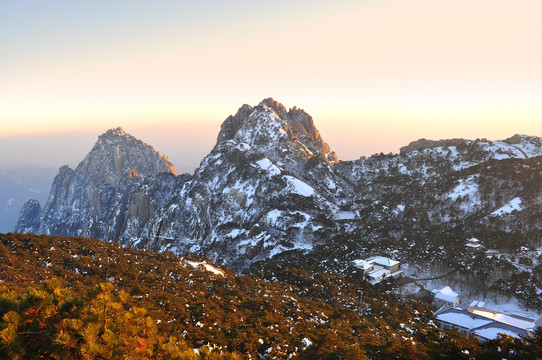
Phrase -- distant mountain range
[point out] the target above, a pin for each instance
(271, 185)
(17, 185)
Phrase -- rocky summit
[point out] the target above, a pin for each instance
(115, 179)
(271, 185)
(266, 187)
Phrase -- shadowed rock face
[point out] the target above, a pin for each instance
(29, 218)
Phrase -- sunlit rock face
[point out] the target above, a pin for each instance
(268, 126)
(93, 200)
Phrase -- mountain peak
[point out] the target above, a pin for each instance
(117, 154)
(277, 107)
(115, 132)
(248, 125)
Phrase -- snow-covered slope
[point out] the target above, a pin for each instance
(449, 180)
(266, 187)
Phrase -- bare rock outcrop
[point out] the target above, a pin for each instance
(29, 218)
(422, 144)
(93, 199)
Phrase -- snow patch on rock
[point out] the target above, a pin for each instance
(513, 205)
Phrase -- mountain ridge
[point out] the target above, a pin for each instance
(272, 186)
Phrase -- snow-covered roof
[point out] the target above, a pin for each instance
(362, 264)
(537, 323)
(446, 294)
(492, 331)
(461, 318)
(477, 303)
(515, 321)
(486, 323)
(446, 290)
(385, 261)
(446, 297)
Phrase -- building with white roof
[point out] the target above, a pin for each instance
(474, 244)
(462, 320)
(378, 268)
(485, 324)
(492, 330)
(389, 264)
(445, 297)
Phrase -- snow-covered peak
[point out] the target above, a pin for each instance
(275, 132)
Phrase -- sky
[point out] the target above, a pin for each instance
(374, 74)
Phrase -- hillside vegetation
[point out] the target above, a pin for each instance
(79, 298)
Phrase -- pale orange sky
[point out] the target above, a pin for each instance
(373, 74)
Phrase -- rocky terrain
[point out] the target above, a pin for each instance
(117, 188)
(271, 185)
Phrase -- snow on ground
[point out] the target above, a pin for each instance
(530, 149)
(306, 342)
(208, 267)
(402, 169)
(466, 187)
(234, 233)
(273, 216)
(331, 184)
(297, 246)
(500, 150)
(306, 221)
(243, 146)
(285, 219)
(399, 208)
(299, 187)
(467, 193)
(513, 205)
(453, 151)
(267, 165)
(344, 215)
(240, 192)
